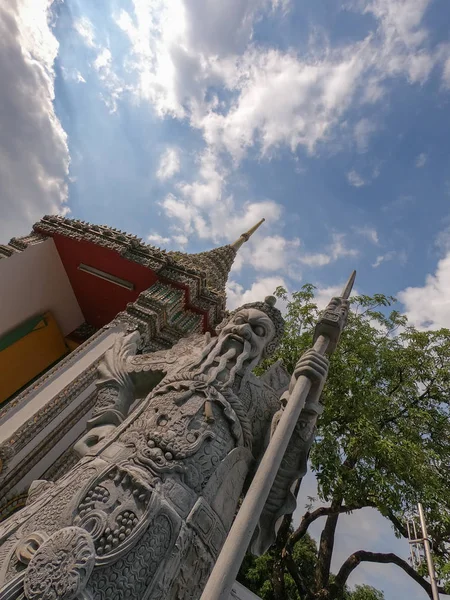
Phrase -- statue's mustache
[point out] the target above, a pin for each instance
(215, 353)
(243, 339)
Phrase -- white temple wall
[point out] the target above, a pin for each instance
(34, 281)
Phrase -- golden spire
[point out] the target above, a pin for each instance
(245, 236)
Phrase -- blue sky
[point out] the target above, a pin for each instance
(187, 121)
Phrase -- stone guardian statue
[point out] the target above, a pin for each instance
(174, 436)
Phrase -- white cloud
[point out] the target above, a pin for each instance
(85, 29)
(103, 60)
(364, 128)
(72, 75)
(334, 251)
(265, 286)
(421, 160)
(281, 100)
(184, 54)
(34, 161)
(368, 232)
(273, 253)
(113, 84)
(338, 248)
(180, 240)
(355, 179)
(384, 258)
(446, 74)
(207, 189)
(169, 164)
(324, 295)
(315, 260)
(158, 240)
(204, 208)
(443, 240)
(403, 50)
(428, 307)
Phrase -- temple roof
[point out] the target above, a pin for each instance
(203, 275)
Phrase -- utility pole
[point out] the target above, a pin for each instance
(326, 336)
(415, 542)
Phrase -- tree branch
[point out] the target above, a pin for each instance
(404, 410)
(378, 557)
(397, 524)
(322, 511)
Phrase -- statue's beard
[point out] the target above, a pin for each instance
(214, 352)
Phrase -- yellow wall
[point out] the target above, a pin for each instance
(23, 360)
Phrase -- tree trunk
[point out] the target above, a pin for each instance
(279, 588)
(326, 545)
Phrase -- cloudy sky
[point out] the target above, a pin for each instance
(187, 121)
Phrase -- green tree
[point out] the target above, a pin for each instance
(256, 574)
(366, 592)
(383, 440)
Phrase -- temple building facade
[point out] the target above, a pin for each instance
(68, 290)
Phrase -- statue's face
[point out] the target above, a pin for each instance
(251, 325)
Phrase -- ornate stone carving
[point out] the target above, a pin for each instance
(29, 545)
(140, 565)
(18, 244)
(37, 487)
(62, 465)
(60, 568)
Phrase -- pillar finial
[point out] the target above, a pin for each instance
(244, 237)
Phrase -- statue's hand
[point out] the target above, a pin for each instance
(314, 366)
(92, 438)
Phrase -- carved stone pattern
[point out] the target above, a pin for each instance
(173, 436)
(47, 443)
(195, 567)
(140, 564)
(176, 357)
(51, 516)
(106, 398)
(214, 265)
(28, 546)
(12, 504)
(48, 517)
(112, 508)
(19, 244)
(62, 465)
(61, 567)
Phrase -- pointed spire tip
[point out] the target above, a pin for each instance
(244, 237)
(348, 286)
